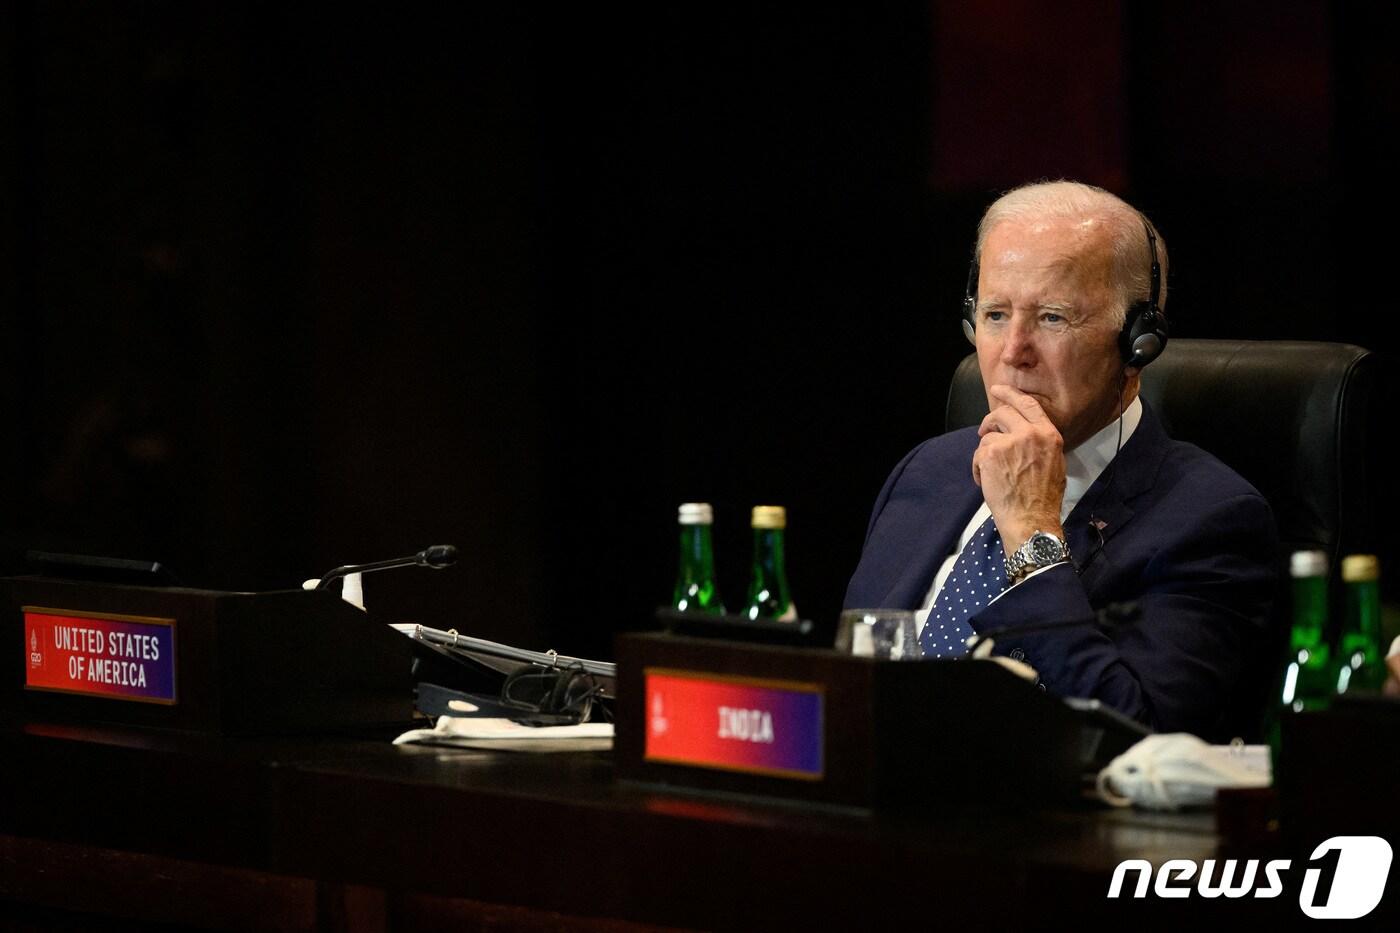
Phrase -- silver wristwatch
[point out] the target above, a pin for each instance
(1040, 550)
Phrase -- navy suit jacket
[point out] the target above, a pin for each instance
(1182, 535)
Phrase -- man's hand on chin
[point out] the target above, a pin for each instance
(1020, 465)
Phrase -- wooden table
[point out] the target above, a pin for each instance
(354, 833)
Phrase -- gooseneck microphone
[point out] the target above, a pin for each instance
(437, 557)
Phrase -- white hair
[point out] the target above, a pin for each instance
(1132, 260)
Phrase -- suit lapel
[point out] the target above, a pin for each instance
(1107, 507)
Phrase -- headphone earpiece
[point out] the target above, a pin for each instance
(969, 304)
(1144, 334)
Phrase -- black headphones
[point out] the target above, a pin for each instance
(1144, 334)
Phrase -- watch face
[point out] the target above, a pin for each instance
(1044, 549)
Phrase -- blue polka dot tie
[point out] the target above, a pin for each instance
(978, 575)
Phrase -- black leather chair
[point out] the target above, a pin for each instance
(1290, 417)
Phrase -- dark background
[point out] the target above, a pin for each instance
(286, 288)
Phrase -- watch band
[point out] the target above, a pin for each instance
(1041, 549)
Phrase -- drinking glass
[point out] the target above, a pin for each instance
(884, 634)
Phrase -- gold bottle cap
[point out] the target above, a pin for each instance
(1357, 568)
(769, 516)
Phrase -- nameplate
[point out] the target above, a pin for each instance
(117, 657)
(770, 727)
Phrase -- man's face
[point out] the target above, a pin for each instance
(1045, 323)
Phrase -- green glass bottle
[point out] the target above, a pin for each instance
(1360, 662)
(1309, 678)
(769, 597)
(695, 589)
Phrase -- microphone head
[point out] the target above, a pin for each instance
(438, 556)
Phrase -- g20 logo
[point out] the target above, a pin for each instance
(1344, 878)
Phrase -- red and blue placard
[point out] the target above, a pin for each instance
(771, 727)
(118, 657)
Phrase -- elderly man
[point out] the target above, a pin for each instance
(1070, 495)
